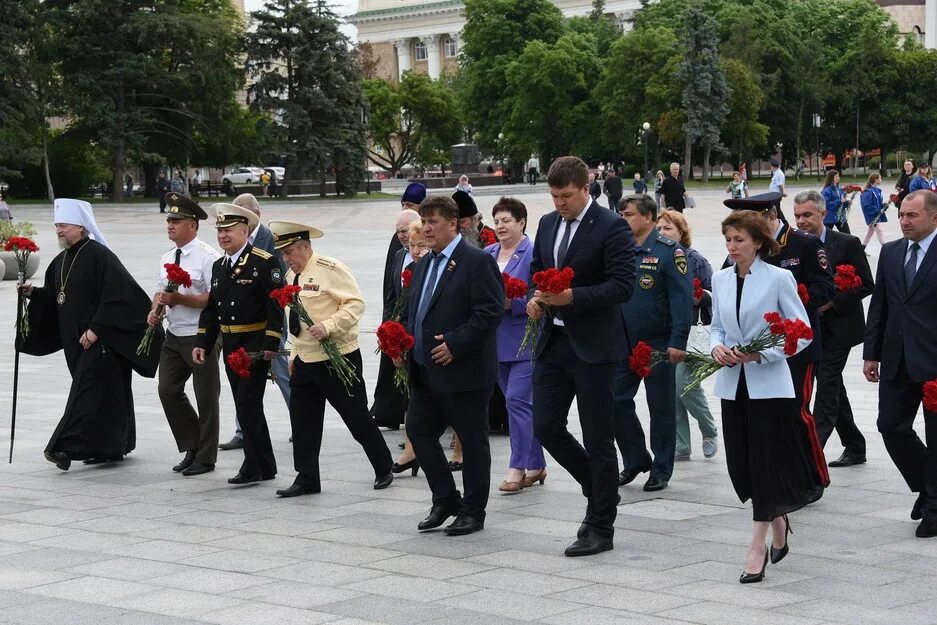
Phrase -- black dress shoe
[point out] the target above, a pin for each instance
(298, 489)
(244, 479)
(464, 524)
(188, 460)
(754, 578)
(383, 482)
(589, 545)
(59, 459)
(916, 509)
(654, 484)
(234, 443)
(627, 476)
(437, 516)
(848, 459)
(455, 466)
(100, 460)
(413, 465)
(927, 529)
(583, 528)
(778, 554)
(197, 468)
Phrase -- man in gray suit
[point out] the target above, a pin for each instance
(262, 238)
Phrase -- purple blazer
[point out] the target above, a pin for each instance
(511, 330)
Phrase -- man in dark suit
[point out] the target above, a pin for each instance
(613, 189)
(900, 336)
(843, 327)
(582, 342)
(454, 306)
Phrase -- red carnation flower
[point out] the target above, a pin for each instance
(514, 288)
(640, 359)
(20, 244)
(894, 198)
(286, 295)
(406, 277)
(846, 278)
(239, 361)
(852, 188)
(930, 396)
(697, 288)
(803, 293)
(177, 275)
(487, 237)
(553, 280)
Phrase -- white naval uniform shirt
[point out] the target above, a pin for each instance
(197, 259)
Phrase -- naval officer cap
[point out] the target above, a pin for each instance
(180, 206)
(285, 233)
(227, 215)
(759, 203)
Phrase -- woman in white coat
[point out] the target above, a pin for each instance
(767, 449)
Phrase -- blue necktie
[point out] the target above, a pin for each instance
(428, 287)
(910, 267)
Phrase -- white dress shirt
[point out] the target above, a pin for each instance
(777, 181)
(197, 259)
(925, 245)
(573, 228)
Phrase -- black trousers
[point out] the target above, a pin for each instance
(311, 385)
(660, 389)
(832, 409)
(430, 412)
(898, 403)
(559, 376)
(249, 407)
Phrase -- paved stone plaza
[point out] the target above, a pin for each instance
(134, 543)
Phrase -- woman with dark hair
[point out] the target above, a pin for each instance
(513, 253)
(836, 203)
(767, 450)
(903, 186)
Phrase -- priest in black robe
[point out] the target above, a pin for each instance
(92, 308)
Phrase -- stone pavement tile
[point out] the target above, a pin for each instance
(322, 573)
(529, 561)
(910, 565)
(53, 516)
(393, 611)
(143, 510)
(163, 550)
(539, 526)
(14, 507)
(408, 509)
(208, 518)
(191, 534)
(286, 527)
(620, 598)
(130, 617)
(438, 544)
(239, 561)
(12, 578)
(262, 543)
(465, 617)
(354, 621)
(295, 594)
(924, 608)
(342, 554)
(411, 588)
(307, 512)
(209, 580)
(727, 572)
(525, 583)
(829, 609)
(360, 536)
(7, 547)
(894, 595)
(628, 577)
(736, 594)
(13, 597)
(52, 559)
(119, 525)
(178, 603)
(510, 604)
(77, 502)
(47, 611)
(604, 616)
(90, 589)
(910, 545)
(239, 505)
(438, 568)
(129, 569)
(249, 614)
(88, 541)
(710, 613)
(826, 568)
(401, 524)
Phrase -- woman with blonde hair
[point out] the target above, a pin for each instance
(673, 224)
(873, 208)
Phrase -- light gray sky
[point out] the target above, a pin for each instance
(341, 7)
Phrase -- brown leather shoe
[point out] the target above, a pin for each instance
(511, 487)
(532, 478)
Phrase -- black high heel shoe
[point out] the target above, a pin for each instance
(753, 578)
(778, 554)
(413, 465)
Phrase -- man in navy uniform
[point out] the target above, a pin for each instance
(241, 310)
(658, 313)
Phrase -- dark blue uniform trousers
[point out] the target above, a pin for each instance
(661, 401)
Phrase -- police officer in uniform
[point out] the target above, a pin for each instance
(658, 313)
(333, 300)
(241, 310)
(803, 255)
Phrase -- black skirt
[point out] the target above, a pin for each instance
(768, 454)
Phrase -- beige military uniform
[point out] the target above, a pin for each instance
(331, 296)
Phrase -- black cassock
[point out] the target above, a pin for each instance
(101, 295)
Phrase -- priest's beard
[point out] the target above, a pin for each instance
(471, 235)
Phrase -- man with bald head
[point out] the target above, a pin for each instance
(390, 403)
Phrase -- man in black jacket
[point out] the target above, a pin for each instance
(843, 327)
(613, 189)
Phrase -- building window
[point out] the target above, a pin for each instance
(917, 35)
(452, 48)
(420, 51)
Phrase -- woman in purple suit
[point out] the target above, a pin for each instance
(513, 253)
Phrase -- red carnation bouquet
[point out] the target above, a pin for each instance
(930, 396)
(803, 293)
(394, 341)
(643, 358)
(21, 247)
(843, 214)
(554, 281)
(697, 289)
(288, 296)
(846, 278)
(487, 237)
(894, 198)
(176, 276)
(776, 333)
(240, 361)
(514, 288)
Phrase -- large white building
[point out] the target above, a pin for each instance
(423, 35)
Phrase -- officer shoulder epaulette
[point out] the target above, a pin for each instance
(666, 240)
(326, 262)
(262, 253)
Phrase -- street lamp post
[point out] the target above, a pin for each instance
(817, 120)
(646, 127)
(501, 154)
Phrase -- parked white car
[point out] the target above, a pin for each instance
(243, 175)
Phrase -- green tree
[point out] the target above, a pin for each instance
(306, 75)
(743, 130)
(18, 106)
(705, 94)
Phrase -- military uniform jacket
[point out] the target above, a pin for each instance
(239, 302)
(660, 308)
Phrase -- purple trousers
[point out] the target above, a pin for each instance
(516, 382)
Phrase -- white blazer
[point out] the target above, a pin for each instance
(767, 289)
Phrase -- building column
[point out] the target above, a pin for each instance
(930, 24)
(403, 56)
(433, 56)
